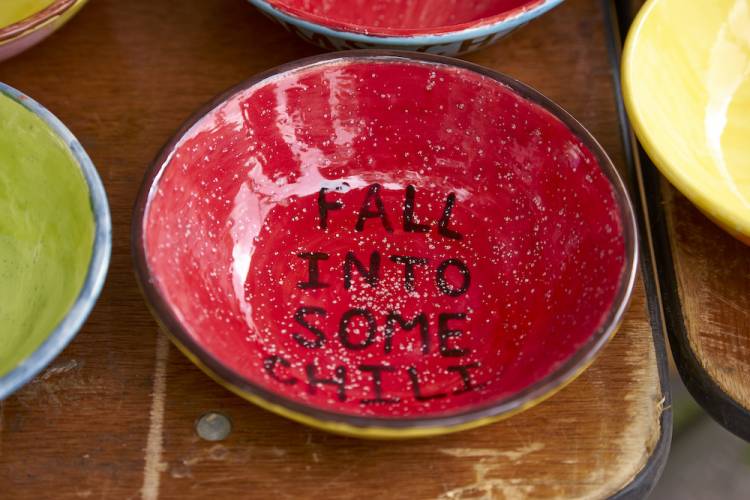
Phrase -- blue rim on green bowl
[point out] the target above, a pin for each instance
(68, 327)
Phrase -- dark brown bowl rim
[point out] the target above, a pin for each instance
(560, 376)
(33, 21)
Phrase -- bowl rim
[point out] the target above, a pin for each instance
(358, 424)
(96, 274)
(734, 222)
(483, 27)
(55, 9)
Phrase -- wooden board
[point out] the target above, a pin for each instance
(114, 416)
(705, 280)
(706, 284)
(713, 281)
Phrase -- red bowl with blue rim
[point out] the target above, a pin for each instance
(447, 27)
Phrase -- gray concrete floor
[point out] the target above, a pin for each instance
(706, 462)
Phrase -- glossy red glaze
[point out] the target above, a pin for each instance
(238, 202)
(403, 17)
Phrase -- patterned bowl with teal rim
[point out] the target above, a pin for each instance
(447, 27)
(55, 238)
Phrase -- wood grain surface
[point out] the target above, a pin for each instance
(114, 416)
(713, 283)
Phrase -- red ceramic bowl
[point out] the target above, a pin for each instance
(447, 27)
(384, 244)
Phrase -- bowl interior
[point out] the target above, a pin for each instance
(687, 78)
(385, 237)
(47, 231)
(14, 11)
(403, 17)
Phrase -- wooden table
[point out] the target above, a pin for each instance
(114, 416)
(704, 278)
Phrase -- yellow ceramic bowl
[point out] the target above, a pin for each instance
(686, 79)
(24, 23)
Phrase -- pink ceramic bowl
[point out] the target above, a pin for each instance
(28, 32)
(447, 27)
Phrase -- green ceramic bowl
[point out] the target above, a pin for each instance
(55, 238)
